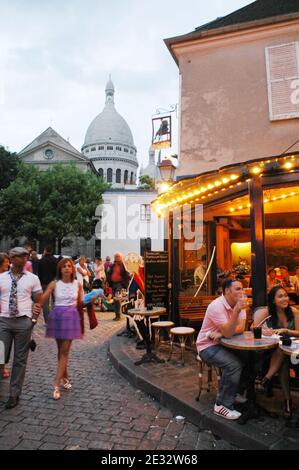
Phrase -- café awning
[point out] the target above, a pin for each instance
(217, 185)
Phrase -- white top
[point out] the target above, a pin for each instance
(99, 271)
(66, 293)
(28, 284)
(80, 277)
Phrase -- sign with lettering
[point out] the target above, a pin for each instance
(156, 279)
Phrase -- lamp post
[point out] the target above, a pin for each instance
(167, 170)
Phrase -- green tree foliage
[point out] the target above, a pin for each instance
(9, 166)
(51, 204)
(146, 182)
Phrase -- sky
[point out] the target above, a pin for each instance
(56, 57)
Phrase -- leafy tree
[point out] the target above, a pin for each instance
(9, 167)
(51, 204)
(146, 182)
(20, 203)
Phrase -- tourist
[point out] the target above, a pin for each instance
(47, 273)
(83, 273)
(271, 278)
(34, 262)
(295, 279)
(285, 277)
(64, 323)
(225, 317)
(107, 264)
(4, 267)
(28, 264)
(17, 313)
(118, 279)
(284, 319)
(99, 273)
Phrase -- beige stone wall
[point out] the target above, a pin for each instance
(224, 100)
(37, 157)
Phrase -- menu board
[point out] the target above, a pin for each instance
(156, 278)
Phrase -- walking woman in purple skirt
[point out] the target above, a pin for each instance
(64, 321)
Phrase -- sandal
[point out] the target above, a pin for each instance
(5, 373)
(67, 384)
(267, 385)
(56, 393)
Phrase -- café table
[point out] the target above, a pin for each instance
(292, 350)
(139, 314)
(247, 342)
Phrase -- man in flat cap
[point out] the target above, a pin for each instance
(18, 312)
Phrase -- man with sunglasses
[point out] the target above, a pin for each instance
(20, 291)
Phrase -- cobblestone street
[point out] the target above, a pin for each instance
(102, 411)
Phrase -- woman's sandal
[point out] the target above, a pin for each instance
(56, 393)
(267, 385)
(67, 384)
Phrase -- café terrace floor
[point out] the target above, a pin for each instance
(176, 386)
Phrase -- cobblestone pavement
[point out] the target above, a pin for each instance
(102, 411)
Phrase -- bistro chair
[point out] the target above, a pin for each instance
(183, 333)
(201, 374)
(159, 326)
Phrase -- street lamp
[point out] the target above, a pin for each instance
(167, 170)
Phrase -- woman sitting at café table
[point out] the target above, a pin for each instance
(284, 319)
(271, 278)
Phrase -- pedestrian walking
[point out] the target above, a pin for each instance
(34, 262)
(47, 273)
(118, 279)
(83, 273)
(99, 273)
(17, 316)
(4, 267)
(64, 323)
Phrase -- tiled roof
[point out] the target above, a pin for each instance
(257, 10)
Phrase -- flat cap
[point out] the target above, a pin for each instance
(18, 251)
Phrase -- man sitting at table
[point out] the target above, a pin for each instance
(225, 317)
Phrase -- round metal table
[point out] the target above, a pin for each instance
(291, 350)
(139, 314)
(245, 343)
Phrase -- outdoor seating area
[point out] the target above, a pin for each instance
(178, 386)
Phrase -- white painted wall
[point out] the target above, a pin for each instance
(125, 206)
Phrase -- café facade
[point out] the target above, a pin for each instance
(241, 217)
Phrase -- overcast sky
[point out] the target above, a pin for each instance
(56, 56)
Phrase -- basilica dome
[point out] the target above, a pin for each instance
(109, 125)
(109, 144)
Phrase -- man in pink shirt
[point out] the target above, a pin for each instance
(225, 317)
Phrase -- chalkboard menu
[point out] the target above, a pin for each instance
(156, 278)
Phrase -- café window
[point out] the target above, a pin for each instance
(145, 212)
(190, 229)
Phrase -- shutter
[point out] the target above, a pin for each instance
(282, 64)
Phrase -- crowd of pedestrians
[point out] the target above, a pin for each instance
(58, 287)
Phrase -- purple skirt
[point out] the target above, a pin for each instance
(64, 323)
